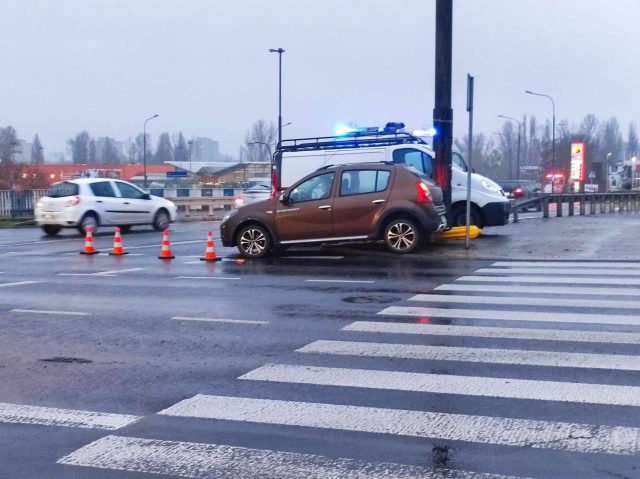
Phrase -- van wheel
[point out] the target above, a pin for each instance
(51, 230)
(459, 216)
(401, 236)
(253, 241)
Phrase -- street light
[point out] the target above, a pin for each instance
(519, 128)
(608, 171)
(553, 136)
(279, 51)
(144, 148)
(505, 139)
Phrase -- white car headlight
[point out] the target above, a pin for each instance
(229, 215)
(490, 185)
(171, 204)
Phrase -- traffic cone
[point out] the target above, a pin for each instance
(118, 250)
(165, 253)
(88, 243)
(210, 253)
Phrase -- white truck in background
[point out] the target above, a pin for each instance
(295, 158)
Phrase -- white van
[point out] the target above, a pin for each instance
(296, 158)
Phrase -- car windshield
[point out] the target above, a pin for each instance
(60, 190)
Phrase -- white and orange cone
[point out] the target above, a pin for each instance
(165, 253)
(88, 243)
(210, 252)
(118, 249)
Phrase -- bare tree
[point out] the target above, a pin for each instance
(632, 140)
(260, 133)
(164, 150)
(37, 155)
(79, 148)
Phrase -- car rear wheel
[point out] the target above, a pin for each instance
(88, 220)
(161, 220)
(253, 241)
(401, 236)
(51, 230)
(459, 216)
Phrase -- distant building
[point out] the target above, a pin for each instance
(204, 150)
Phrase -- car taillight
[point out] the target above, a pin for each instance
(73, 201)
(518, 192)
(424, 194)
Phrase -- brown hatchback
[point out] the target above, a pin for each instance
(359, 202)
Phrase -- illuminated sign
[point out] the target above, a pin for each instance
(577, 162)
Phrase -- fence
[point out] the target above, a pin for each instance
(19, 204)
(596, 202)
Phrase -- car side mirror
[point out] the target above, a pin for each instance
(283, 198)
(146, 196)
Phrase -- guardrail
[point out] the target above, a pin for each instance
(604, 202)
(188, 206)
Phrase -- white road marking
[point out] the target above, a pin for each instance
(475, 355)
(455, 427)
(103, 273)
(17, 283)
(205, 461)
(39, 311)
(338, 281)
(507, 288)
(312, 257)
(565, 302)
(490, 332)
(567, 264)
(565, 271)
(551, 279)
(220, 320)
(48, 416)
(553, 316)
(206, 277)
(450, 384)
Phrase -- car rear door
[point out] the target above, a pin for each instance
(307, 213)
(361, 199)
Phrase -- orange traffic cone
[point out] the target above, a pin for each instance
(88, 243)
(165, 253)
(210, 253)
(118, 250)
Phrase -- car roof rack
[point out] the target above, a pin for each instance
(360, 139)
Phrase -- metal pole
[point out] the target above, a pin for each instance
(469, 156)
(279, 51)
(442, 112)
(144, 148)
(553, 137)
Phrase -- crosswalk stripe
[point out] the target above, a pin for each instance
(49, 416)
(552, 316)
(567, 264)
(565, 271)
(519, 301)
(490, 332)
(477, 355)
(423, 424)
(449, 384)
(509, 288)
(551, 279)
(200, 461)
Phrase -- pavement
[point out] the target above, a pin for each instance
(606, 237)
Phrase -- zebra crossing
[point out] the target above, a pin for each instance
(540, 313)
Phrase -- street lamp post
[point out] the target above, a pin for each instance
(518, 155)
(607, 171)
(279, 51)
(553, 136)
(144, 148)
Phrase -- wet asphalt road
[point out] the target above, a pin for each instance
(135, 336)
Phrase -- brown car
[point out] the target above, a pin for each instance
(359, 202)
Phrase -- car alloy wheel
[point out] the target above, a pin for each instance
(161, 220)
(401, 236)
(253, 241)
(88, 220)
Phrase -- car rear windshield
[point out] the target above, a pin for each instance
(60, 190)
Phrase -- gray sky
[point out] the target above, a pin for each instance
(204, 66)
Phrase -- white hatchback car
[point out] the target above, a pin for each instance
(101, 202)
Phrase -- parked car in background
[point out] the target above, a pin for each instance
(255, 193)
(384, 201)
(98, 202)
(520, 190)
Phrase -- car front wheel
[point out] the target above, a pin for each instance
(161, 220)
(401, 236)
(253, 241)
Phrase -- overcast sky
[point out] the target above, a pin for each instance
(204, 67)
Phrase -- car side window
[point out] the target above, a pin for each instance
(363, 181)
(316, 188)
(131, 192)
(420, 160)
(458, 162)
(103, 189)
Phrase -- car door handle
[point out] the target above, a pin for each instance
(98, 201)
(324, 207)
(377, 202)
(127, 203)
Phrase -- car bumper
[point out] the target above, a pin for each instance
(66, 217)
(497, 213)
